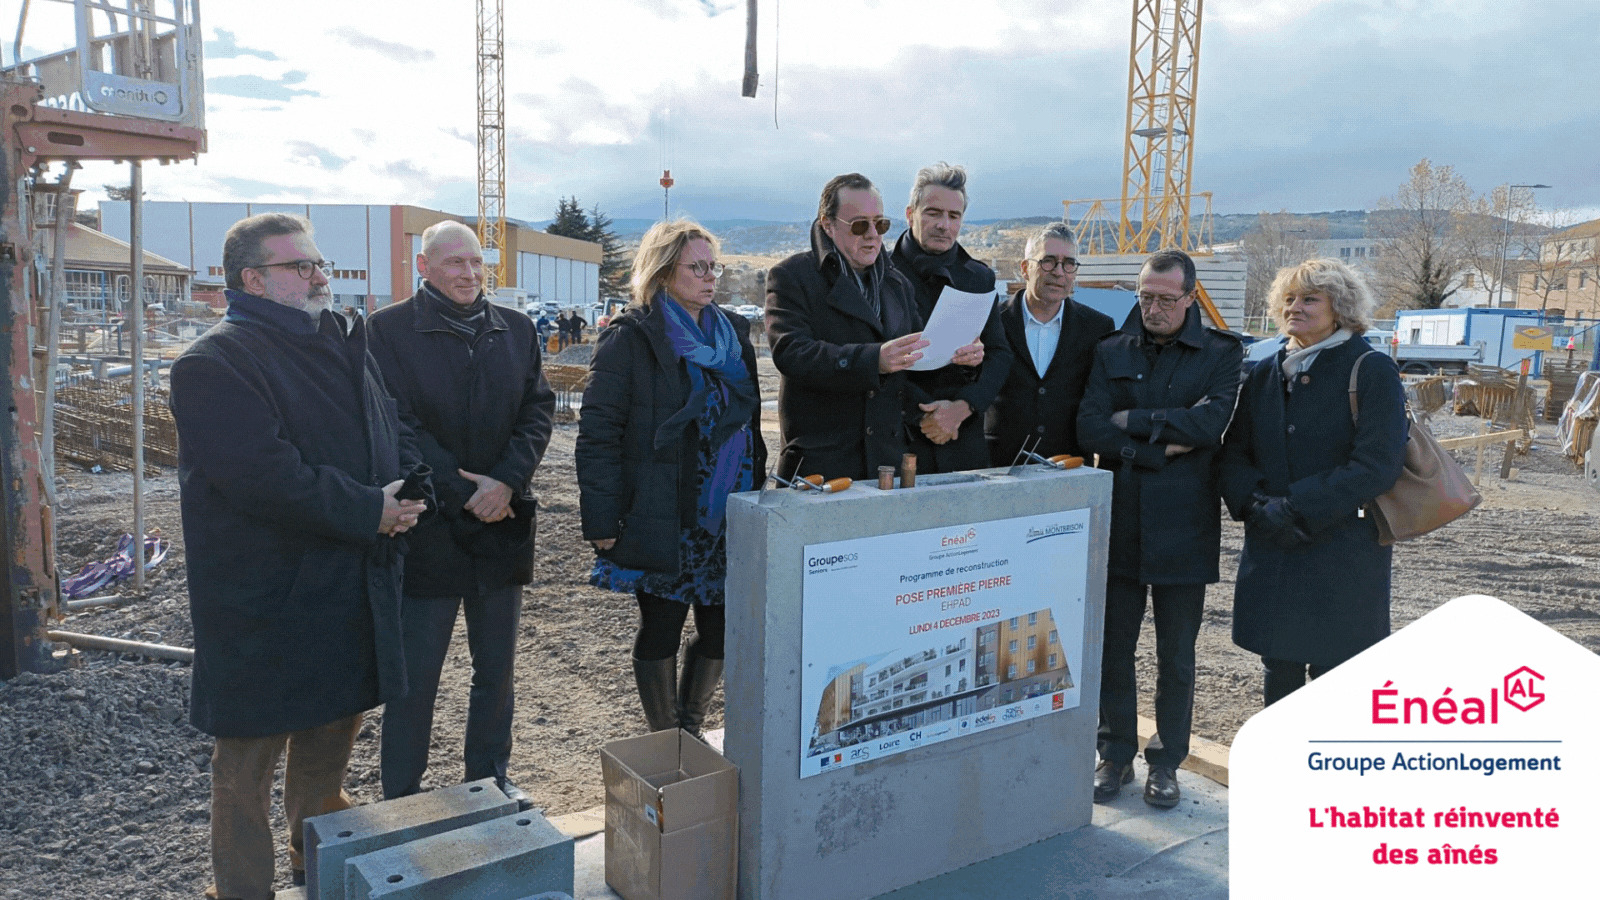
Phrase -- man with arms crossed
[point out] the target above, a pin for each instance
(1160, 395)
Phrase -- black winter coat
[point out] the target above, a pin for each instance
(629, 488)
(977, 385)
(286, 437)
(483, 407)
(1329, 600)
(834, 409)
(1030, 406)
(1166, 523)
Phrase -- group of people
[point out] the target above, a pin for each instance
(671, 426)
(349, 488)
(568, 328)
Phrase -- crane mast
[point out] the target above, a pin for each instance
(491, 142)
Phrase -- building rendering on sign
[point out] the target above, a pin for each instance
(373, 248)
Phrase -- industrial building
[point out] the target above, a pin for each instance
(373, 248)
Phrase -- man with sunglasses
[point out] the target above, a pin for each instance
(843, 329)
(467, 377)
(1160, 395)
(289, 459)
(1052, 342)
(953, 398)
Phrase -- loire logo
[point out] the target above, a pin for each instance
(1521, 688)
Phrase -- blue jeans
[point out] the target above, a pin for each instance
(1178, 610)
(427, 622)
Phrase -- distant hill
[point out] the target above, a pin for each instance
(986, 238)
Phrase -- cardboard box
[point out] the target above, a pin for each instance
(672, 818)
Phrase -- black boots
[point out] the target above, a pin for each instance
(655, 677)
(695, 687)
(686, 710)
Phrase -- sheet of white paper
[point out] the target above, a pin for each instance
(957, 319)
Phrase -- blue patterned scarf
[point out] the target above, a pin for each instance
(716, 363)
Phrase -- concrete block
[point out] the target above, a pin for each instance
(336, 837)
(860, 830)
(502, 859)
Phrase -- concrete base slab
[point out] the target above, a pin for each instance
(503, 859)
(336, 837)
(1129, 850)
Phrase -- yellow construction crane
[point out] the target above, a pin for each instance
(1154, 211)
(491, 142)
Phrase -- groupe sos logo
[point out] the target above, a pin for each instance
(1521, 689)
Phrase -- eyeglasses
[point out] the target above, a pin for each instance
(700, 268)
(1148, 300)
(859, 227)
(302, 267)
(1066, 264)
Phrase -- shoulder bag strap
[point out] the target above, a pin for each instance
(1355, 372)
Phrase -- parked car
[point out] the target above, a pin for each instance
(751, 311)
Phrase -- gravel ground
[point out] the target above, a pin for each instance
(106, 786)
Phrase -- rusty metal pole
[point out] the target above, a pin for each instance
(136, 294)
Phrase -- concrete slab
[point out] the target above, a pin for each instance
(1129, 850)
(856, 831)
(336, 837)
(502, 859)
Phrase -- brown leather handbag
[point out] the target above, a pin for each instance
(1433, 489)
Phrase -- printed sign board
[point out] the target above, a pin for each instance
(926, 636)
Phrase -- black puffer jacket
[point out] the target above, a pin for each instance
(484, 407)
(630, 489)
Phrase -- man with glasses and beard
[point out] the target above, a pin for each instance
(290, 455)
(844, 328)
(1161, 392)
(953, 398)
(1052, 340)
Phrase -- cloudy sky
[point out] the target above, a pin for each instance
(1303, 104)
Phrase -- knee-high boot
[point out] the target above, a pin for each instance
(698, 683)
(655, 678)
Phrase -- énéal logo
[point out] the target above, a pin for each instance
(1519, 689)
(956, 540)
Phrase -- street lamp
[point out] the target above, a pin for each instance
(1505, 242)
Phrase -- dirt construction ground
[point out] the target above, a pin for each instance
(105, 786)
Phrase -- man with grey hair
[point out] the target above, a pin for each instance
(954, 398)
(290, 457)
(1052, 342)
(467, 377)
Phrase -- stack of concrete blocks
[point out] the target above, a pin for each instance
(455, 843)
(871, 828)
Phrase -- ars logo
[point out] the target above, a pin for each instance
(1521, 689)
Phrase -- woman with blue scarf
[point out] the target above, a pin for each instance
(671, 425)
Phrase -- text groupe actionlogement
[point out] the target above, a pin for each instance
(1429, 762)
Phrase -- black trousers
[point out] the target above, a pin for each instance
(1178, 609)
(428, 622)
(1283, 677)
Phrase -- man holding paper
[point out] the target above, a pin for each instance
(843, 329)
(952, 397)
